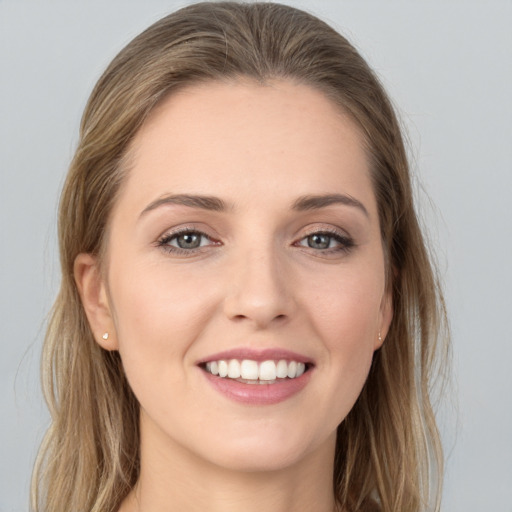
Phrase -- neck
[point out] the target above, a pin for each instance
(176, 479)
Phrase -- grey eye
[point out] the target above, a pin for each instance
(188, 240)
(319, 241)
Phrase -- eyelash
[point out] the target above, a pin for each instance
(164, 241)
(346, 243)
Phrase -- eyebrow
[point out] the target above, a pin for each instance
(193, 201)
(212, 203)
(321, 201)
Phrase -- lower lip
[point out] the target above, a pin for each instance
(259, 394)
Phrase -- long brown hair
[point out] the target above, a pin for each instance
(388, 454)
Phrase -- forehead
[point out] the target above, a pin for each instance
(231, 139)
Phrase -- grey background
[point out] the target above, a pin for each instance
(448, 66)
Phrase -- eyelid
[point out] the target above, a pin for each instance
(163, 241)
(344, 239)
(325, 229)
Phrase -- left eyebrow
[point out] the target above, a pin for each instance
(321, 201)
(193, 201)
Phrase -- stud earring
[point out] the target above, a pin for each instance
(105, 336)
(380, 338)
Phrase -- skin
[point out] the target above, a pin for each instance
(255, 281)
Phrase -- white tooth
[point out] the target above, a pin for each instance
(301, 367)
(292, 369)
(267, 370)
(234, 369)
(282, 369)
(223, 369)
(249, 370)
(209, 367)
(214, 367)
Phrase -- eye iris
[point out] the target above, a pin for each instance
(319, 241)
(189, 241)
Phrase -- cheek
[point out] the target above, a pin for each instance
(346, 317)
(158, 316)
(156, 299)
(346, 310)
(157, 321)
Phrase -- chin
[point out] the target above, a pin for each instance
(258, 461)
(264, 453)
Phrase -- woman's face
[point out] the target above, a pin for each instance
(246, 231)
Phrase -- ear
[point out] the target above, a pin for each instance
(93, 292)
(385, 317)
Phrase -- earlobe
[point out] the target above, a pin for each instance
(93, 293)
(386, 315)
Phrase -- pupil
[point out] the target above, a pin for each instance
(189, 241)
(319, 241)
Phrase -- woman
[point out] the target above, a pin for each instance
(248, 315)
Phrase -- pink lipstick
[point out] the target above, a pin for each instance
(257, 377)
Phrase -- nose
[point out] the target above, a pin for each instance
(260, 290)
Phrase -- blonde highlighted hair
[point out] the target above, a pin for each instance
(388, 454)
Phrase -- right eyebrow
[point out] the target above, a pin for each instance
(193, 201)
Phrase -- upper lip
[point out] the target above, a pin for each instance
(267, 354)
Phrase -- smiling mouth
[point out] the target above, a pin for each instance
(249, 371)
